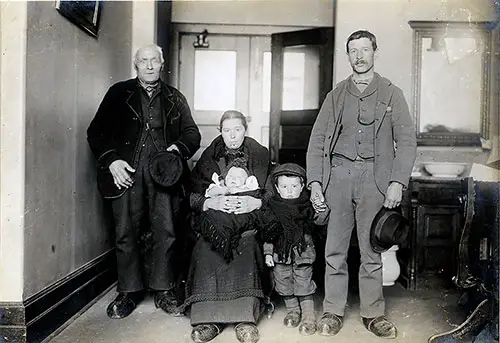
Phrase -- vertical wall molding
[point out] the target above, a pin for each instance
(12, 149)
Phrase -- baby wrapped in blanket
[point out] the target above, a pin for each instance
(223, 230)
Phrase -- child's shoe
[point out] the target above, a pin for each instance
(292, 319)
(308, 326)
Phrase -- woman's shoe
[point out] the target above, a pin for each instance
(292, 319)
(205, 332)
(247, 332)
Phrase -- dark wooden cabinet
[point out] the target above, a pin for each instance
(435, 212)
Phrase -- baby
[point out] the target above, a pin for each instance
(292, 253)
(236, 181)
(223, 230)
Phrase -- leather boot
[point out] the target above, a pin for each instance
(124, 304)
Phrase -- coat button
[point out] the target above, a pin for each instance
(326, 155)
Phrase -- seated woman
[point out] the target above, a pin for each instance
(221, 292)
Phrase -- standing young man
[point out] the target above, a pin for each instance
(360, 156)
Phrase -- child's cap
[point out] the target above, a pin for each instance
(291, 169)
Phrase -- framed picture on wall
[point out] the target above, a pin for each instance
(84, 14)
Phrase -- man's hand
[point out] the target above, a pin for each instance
(269, 261)
(317, 198)
(121, 170)
(393, 195)
(173, 147)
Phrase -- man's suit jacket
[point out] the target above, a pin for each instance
(393, 124)
(115, 131)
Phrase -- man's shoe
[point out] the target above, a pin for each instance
(292, 319)
(380, 327)
(329, 324)
(167, 301)
(205, 332)
(247, 332)
(123, 305)
(308, 326)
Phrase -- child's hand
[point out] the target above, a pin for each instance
(317, 198)
(269, 261)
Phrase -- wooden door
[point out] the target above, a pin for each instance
(214, 79)
(302, 74)
(234, 72)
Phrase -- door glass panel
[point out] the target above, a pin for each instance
(300, 79)
(266, 82)
(293, 80)
(214, 80)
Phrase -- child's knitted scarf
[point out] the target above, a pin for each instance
(296, 218)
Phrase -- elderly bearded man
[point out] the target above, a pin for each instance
(137, 119)
(352, 162)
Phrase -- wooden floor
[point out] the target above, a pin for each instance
(417, 315)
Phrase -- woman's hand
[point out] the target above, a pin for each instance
(246, 204)
(223, 203)
(232, 204)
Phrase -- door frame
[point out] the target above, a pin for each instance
(178, 29)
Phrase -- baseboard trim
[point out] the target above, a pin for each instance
(78, 314)
(43, 313)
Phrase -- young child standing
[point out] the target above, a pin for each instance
(292, 253)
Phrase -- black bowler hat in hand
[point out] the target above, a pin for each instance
(389, 228)
(166, 168)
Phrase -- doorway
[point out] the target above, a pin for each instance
(286, 75)
(302, 75)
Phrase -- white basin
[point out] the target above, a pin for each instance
(445, 169)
